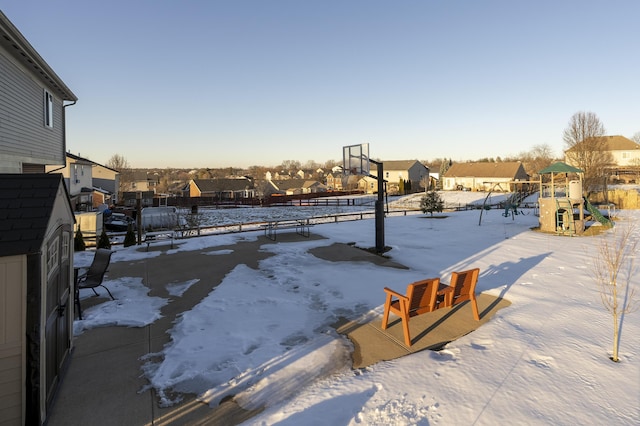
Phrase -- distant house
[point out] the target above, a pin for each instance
(407, 170)
(484, 176)
(222, 189)
(297, 186)
(368, 184)
(108, 180)
(142, 181)
(626, 158)
(90, 184)
(36, 284)
(32, 106)
(334, 181)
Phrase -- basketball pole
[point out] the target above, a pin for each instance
(379, 207)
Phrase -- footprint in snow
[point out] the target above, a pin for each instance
(482, 344)
(542, 361)
(443, 355)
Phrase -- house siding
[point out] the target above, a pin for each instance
(408, 170)
(106, 179)
(24, 138)
(484, 176)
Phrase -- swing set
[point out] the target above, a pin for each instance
(512, 204)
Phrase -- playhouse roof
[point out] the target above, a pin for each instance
(560, 167)
(26, 205)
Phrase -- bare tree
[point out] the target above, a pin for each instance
(119, 163)
(290, 165)
(613, 269)
(587, 147)
(539, 157)
(636, 137)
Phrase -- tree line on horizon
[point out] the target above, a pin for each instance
(584, 142)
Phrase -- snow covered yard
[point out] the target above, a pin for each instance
(543, 360)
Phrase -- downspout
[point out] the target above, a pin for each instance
(64, 131)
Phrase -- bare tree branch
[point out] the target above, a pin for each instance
(587, 147)
(613, 268)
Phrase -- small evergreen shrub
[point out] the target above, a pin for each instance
(104, 242)
(130, 237)
(78, 241)
(431, 202)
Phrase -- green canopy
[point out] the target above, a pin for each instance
(559, 167)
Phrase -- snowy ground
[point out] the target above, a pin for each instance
(542, 360)
(211, 216)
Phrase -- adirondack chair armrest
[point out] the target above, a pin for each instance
(396, 294)
(446, 292)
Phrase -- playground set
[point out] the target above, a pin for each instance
(561, 202)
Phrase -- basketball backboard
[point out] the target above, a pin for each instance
(355, 159)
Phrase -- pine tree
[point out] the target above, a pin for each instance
(104, 242)
(130, 237)
(431, 202)
(78, 241)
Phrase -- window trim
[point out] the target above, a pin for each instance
(53, 256)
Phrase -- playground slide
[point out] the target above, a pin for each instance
(596, 213)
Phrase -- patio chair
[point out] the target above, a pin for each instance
(461, 289)
(420, 299)
(94, 276)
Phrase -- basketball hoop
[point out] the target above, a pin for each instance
(355, 160)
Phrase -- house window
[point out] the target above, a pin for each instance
(48, 109)
(53, 256)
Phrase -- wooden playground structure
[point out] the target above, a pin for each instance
(562, 203)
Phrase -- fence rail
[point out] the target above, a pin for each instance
(194, 231)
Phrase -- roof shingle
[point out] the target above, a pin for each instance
(26, 203)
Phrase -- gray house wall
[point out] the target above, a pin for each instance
(24, 137)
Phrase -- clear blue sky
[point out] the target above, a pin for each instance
(241, 83)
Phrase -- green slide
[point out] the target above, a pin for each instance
(595, 213)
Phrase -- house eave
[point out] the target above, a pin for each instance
(22, 51)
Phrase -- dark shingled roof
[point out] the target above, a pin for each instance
(26, 203)
(223, 184)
